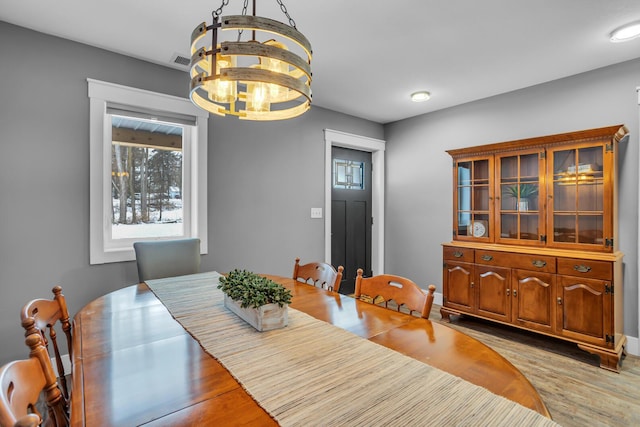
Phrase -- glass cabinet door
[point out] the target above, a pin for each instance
(582, 203)
(473, 207)
(520, 198)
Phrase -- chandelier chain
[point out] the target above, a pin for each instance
(218, 11)
(283, 8)
(244, 12)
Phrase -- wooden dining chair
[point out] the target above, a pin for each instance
(22, 383)
(318, 274)
(167, 258)
(403, 292)
(43, 316)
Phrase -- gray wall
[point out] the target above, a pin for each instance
(263, 178)
(267, 177)
(419, 188)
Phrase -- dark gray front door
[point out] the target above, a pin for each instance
(351, 214)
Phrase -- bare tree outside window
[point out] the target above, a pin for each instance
(146, 184)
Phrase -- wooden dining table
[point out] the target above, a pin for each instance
(134, 364)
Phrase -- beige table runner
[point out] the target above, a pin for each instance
(312, 373)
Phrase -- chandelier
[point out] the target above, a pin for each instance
(250, 79)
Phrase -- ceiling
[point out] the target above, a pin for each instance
(370, 55)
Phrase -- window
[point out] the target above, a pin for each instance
(348, 174)
(146, 178)
(147, 170)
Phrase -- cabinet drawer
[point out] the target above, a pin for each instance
(543, 263)
(585, 268)
(458, 254)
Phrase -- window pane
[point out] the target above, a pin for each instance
(481, 172)
(529, 227)
(590, 229)
(146, 178)
(464, 173)
(481, 198)
(348, 174)
(564, 228)
(591, 194)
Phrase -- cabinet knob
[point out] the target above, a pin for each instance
(581, 268)
(515, 293)
(457, 254)
(539, 263)
(472, 284)
(508, 292)
(487, 257)
(559, 301)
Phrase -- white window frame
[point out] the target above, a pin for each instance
(101, 247)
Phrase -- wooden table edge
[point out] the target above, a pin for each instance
(77, 403)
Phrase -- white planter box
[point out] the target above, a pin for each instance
(263, 318)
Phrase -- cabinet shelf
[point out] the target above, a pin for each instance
(570, 213)
(521, 178)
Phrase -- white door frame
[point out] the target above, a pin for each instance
(376, 147)
(634, 344)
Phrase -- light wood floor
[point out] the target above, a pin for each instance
(575, 389)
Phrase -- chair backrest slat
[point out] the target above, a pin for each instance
(23, 381)
(318, 274)
(42, 316)
(402, 291)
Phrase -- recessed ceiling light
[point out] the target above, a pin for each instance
(420, 96)
(626, 32)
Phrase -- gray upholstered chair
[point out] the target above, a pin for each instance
(167, 258)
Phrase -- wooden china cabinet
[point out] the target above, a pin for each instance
(535, 238)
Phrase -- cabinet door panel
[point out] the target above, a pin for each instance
(458, 286)
(473, 201)
(584, 308)
(520, 195)
(493, 287)
(581, 199)
(533, 298)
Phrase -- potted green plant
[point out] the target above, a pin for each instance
(257, 300)
(522, 193)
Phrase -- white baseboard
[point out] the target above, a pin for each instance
(632, 347)
(437, 298)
